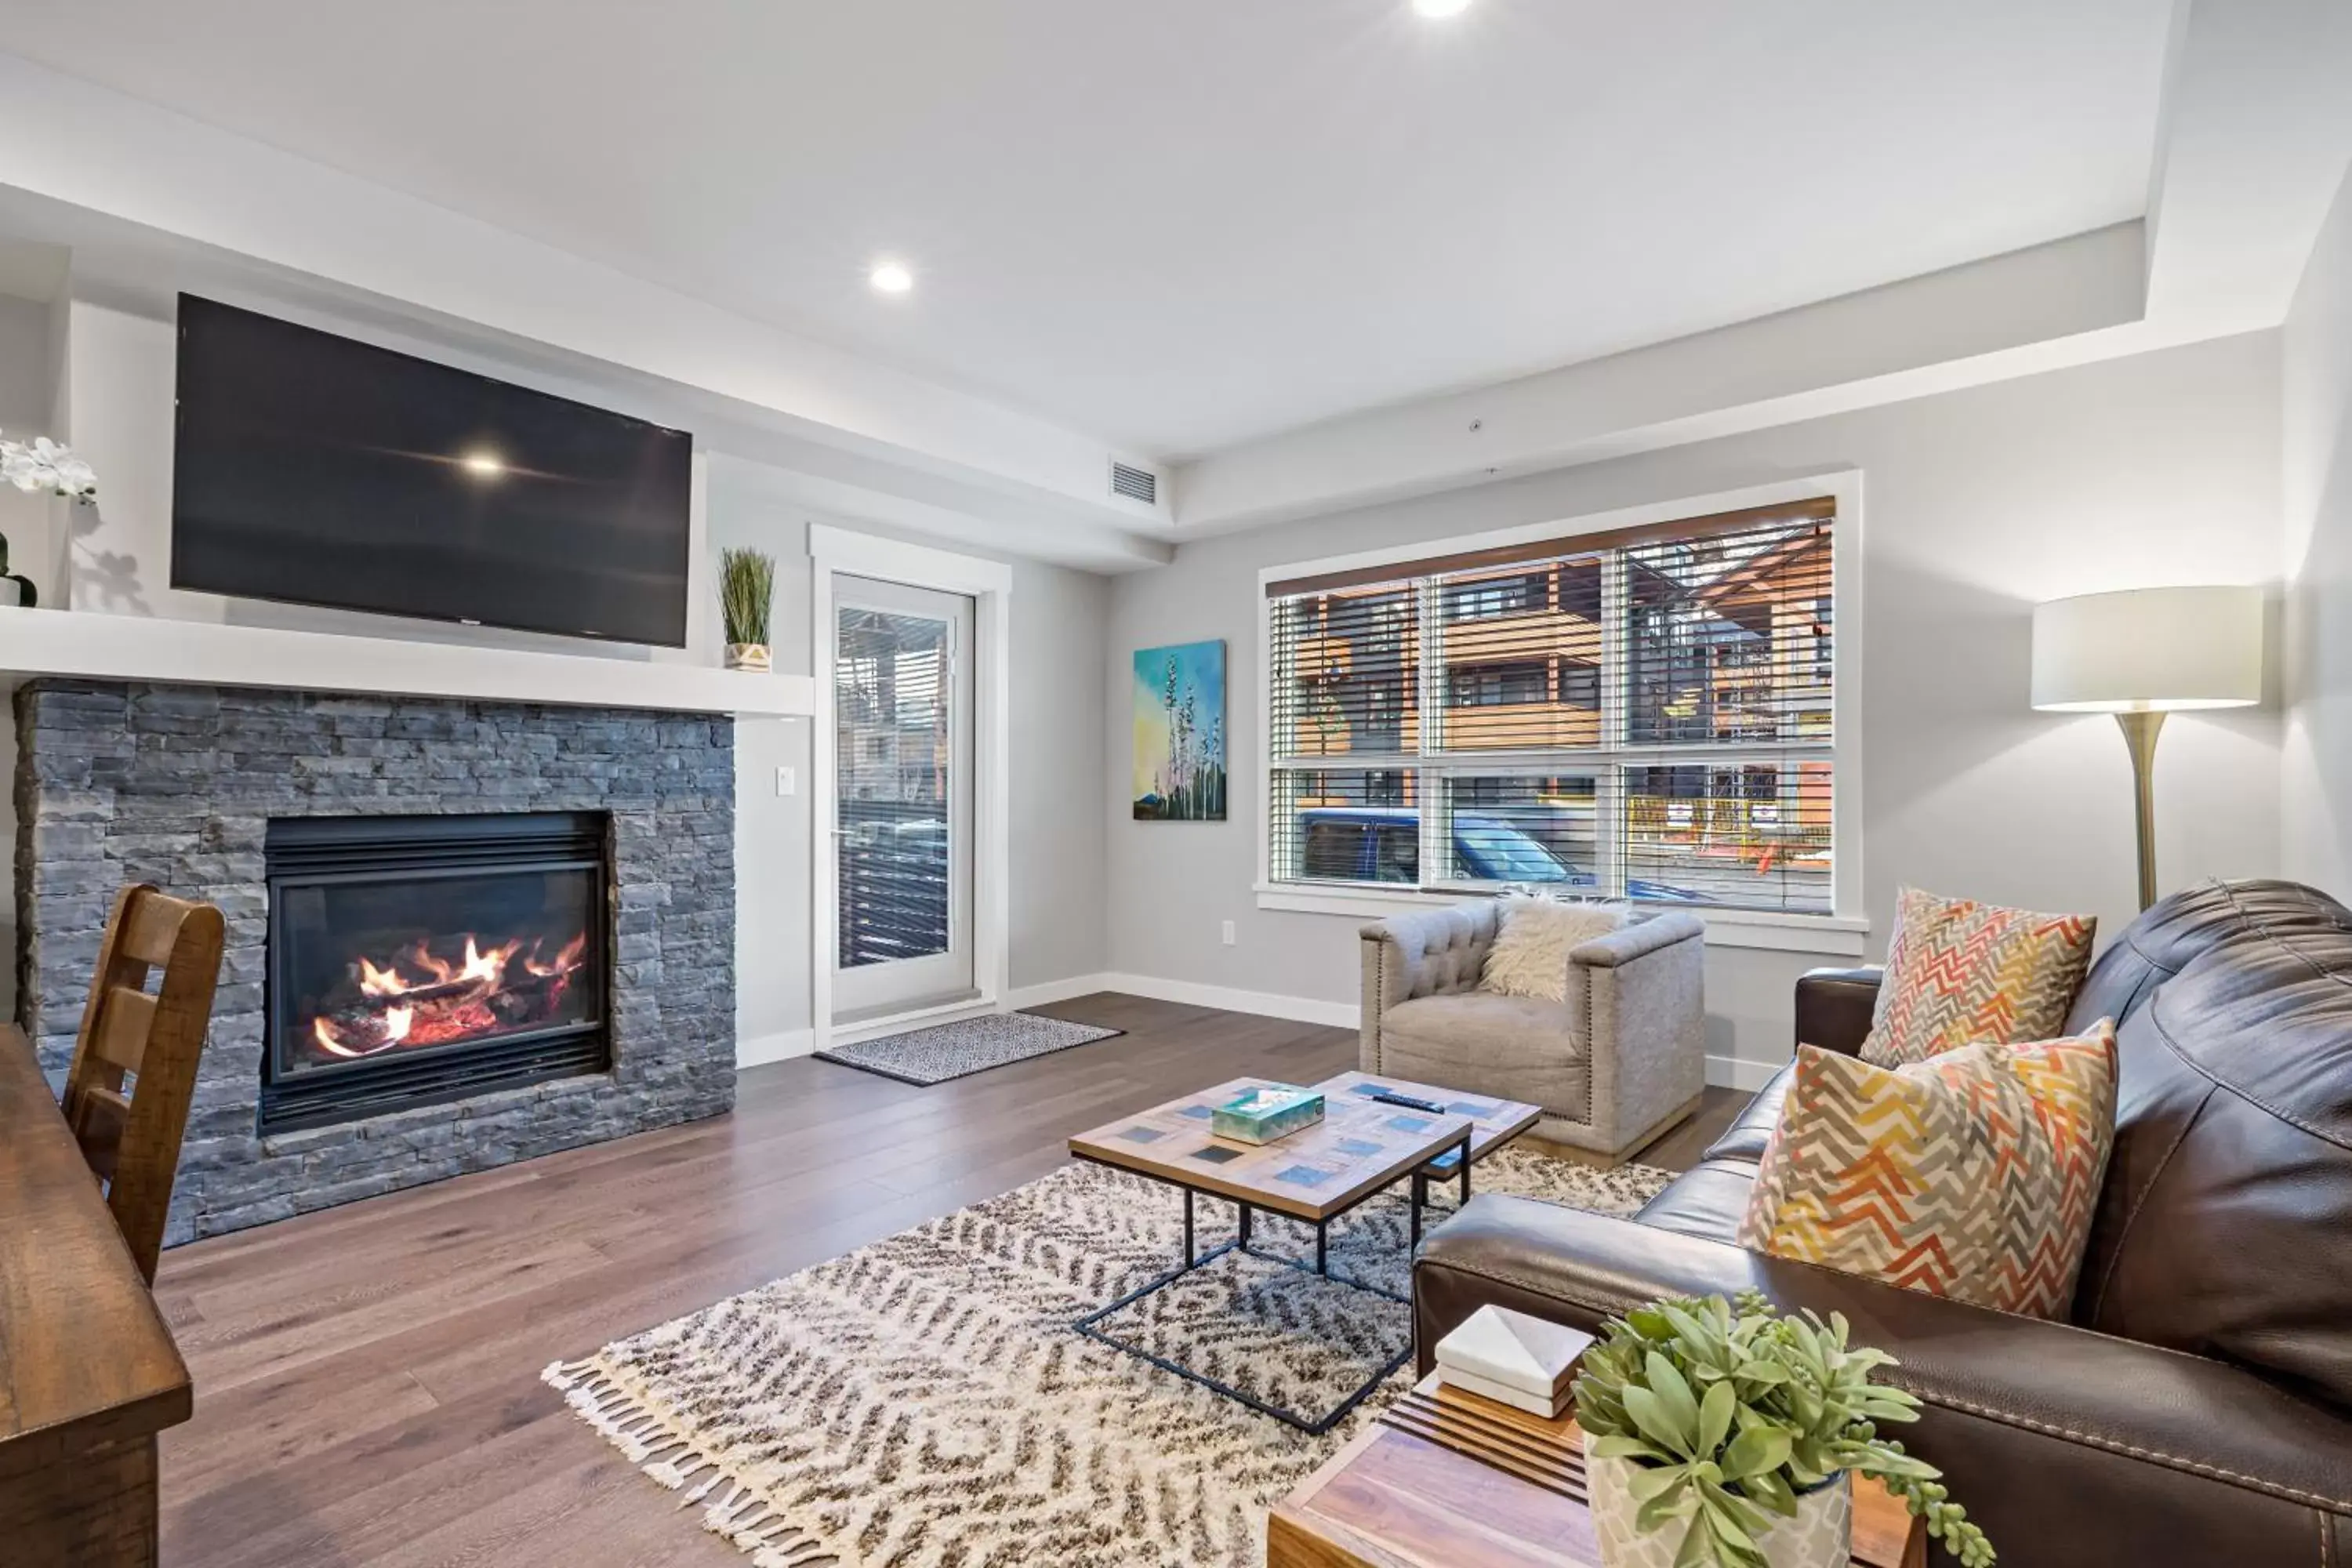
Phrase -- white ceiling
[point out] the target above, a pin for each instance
(1184, 226)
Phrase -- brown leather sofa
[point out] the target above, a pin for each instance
(2198, 1408)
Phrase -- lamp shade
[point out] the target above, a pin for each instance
(2149, 650)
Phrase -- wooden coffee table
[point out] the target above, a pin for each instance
(1494, 1122)
(1362, 1145)
(1393, 1500)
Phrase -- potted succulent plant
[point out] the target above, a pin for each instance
(747, 586)
(41, 463)
(1729, 1435)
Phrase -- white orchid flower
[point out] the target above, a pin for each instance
(42, 463)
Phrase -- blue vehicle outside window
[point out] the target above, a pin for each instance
(1382, 844)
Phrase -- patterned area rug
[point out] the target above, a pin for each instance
(926, 1056)
(924, 1403)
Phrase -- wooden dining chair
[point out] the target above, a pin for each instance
(134, 1065)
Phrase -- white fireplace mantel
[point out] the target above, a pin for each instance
(88, 644)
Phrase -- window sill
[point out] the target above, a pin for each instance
(1823, 936)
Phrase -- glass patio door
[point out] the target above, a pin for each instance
(902, 832)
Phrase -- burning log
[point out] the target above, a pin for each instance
(487, 993)
(362, 1030)
(425, 995)
(531, 998)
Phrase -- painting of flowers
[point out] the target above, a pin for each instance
(1180, 733)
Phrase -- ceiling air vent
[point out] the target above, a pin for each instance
(1134, 483)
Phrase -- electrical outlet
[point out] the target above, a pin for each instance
(786, 781)
(1228, 933)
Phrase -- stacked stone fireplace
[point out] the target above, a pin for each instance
(461, 934)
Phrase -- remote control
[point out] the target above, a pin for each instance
(1409, 1103)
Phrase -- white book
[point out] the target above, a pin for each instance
(1502, 1393)
(1513, 1351)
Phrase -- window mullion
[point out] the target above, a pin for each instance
(1429, 661)
(1609, 783)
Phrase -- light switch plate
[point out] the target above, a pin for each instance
(786, 781)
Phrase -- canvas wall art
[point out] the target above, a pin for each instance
(1180, 733)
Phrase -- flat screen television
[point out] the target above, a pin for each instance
(312, 470)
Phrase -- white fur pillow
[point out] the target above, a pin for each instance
(1529, 957)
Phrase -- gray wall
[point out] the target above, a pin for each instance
(2317, 448)
(25, 380)
(2160, 468)
(1061, 624)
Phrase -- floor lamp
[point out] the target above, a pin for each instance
(2142, 654)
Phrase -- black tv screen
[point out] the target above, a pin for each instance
(317, 470)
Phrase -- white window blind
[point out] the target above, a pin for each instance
(1646, 714)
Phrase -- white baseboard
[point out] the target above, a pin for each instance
(1046, 993)
(760, 1049)
(1738, 1072)
(1265, 1004)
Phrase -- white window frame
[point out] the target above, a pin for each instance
(1841, 933)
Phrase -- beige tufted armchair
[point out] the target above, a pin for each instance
(1620, 1061)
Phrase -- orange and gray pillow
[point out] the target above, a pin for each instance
(1973, 1175)
(1958, 972)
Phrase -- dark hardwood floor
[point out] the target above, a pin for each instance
(367, 1378)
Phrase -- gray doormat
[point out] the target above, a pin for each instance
(944, 1051)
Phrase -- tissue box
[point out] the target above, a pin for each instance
(1264, 1114)
(1516, 1359)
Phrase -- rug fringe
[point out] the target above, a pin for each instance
(739, 1514)
(611, 1409)
(776, 1543)
(563, 1374)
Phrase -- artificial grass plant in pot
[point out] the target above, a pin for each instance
(1729, 1435)
(747, 587)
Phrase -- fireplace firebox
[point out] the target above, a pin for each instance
(413, 960)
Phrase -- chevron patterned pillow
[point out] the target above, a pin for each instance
(1973, 1175)
(1958, 972)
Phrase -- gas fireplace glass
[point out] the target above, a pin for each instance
(414, 959)
(438, 961)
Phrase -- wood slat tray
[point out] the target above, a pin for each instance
(1545, 1454)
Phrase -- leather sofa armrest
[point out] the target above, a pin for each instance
(2068, 1446)
(1834, 1008)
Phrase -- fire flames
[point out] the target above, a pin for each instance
(420, 998)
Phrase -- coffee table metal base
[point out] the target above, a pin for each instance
(1313, 1426)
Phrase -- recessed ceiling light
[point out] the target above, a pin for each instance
(891, 277)
(1441, 7)
(483, 465)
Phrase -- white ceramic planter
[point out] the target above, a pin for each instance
(1820, 1536)
(747, 656)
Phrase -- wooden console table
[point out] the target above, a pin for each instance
(1391, 1499)
(88, 1374)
